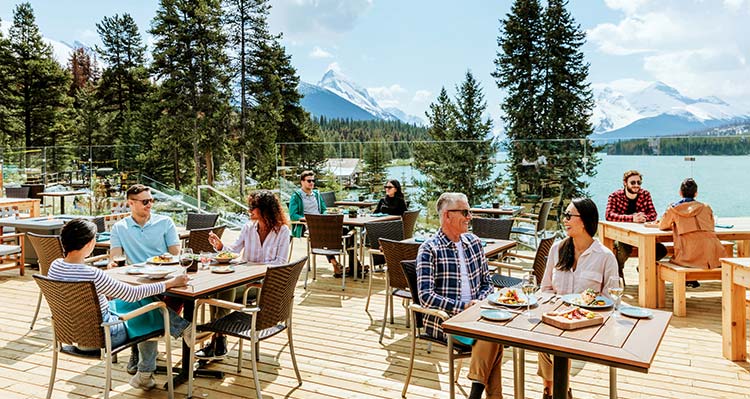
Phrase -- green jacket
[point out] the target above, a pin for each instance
(297, 209)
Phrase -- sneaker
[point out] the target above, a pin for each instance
(206, 353)
(692, 284)
(187, 335)
(143, 380)
(132, 366)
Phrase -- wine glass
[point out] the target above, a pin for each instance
(205, 259)
(186, 258)
(616, 288)
(529, 287)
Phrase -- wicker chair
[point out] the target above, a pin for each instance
(201, 220)
(329, 198)
(325, 239)
(392, 230)
(498, 229)
(17, 192)
(456, 350)
(410, 221)
(395, 281)
(77, 320)
(272, 315)
(535, 225)
(538, 267)
(48, 248)
(198, 239)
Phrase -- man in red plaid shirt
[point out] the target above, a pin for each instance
(631, 204)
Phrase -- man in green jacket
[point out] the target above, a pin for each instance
(305, 200)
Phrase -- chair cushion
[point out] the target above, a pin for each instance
(522, 230)
(402, 293)
(500, 280)
(237, 324)
(9, 249)
(321, 251)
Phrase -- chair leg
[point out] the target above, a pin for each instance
(342, 256)
(107, 361)
(452, 390)
(369, 283)
(390, 303)
(385, 313)
(291, 350)
(257, 350)
(54, 369)
(239, 357)
(411, 356)
(458, 370)
(405, 303)
(36, 312)
(256, 380)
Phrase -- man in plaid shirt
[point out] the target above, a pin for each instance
(452, 275)
(631, 204)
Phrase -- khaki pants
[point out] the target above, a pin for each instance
(486, 367)
(545, 369)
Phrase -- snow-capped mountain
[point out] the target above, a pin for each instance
(337, 96)
(631, 108)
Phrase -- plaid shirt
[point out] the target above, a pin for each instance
(617, 205)
(439, 276)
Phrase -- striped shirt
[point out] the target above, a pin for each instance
(273, 251)
(105, 285)
(439, 277)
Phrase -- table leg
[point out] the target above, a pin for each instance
(612, 382)
(560, 378)
(519, 372)
(62, 204)
(647, 293)
(733, 335)
(606, 241)
(743, 248)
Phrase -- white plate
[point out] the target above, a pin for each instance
(575, 299)
(222, 269)
(158, 271)
(493, 298)
(496, 314)
(633, 311)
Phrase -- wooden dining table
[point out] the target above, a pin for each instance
(355, 203)
(502, 211)
(490, 246)
(203, 284)
(735, 280)
(24, 205)
(621, 342)
(645, 239)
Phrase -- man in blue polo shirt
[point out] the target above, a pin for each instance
(141, 236)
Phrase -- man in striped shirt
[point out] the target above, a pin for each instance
(452, 275)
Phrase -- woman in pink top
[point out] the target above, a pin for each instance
(264, 239)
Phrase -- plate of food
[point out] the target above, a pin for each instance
(158, 272)
(511, 297)
(222, 269)
(225, 257)
(163, 259)
(572, 318)
(588, 299)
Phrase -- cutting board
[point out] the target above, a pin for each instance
(566, 324)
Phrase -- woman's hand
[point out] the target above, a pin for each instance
(179, 280)
(215, 241)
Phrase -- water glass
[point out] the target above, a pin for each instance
(529, 287)
(186, 258)
(616, 288)
(205, 259)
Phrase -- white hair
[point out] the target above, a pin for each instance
(448, 200)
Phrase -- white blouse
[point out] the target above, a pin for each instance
(595, 266)
(273, 251)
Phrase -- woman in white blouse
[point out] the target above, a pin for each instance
(574, 264)
(264, 239)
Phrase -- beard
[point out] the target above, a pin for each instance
(632, 191)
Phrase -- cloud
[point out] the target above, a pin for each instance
(697, 48)
(390, 96)
(422, 96)
(302, 20)
(318, 52)
(335, 67)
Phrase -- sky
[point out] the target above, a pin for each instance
(405, 51)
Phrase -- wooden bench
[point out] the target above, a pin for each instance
(728, 248)
(678, 275)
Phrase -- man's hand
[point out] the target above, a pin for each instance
(639, 217)
(471, 303)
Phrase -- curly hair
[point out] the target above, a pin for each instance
(270, 208)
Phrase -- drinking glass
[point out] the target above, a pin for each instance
(529, 287)
(205, 258)
(120, 260)
(616, 288)
(186, 258)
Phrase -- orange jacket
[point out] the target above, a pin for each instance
(695, 243)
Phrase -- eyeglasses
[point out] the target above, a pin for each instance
(568, 215)
(310, 180)
(145, 202)
(464, 212)
(635, 183)
(388, 187)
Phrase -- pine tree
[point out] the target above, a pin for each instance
(9, 124)
(190, 65)
(39, 84)
(86, 110)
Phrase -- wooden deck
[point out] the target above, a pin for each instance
(337, 349)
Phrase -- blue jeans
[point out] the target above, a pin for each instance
(147, 349)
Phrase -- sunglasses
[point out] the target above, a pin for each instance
(388, 187)
(145, 202)
(310, 180)
(464, 212)
(568, 215)
(635, 183)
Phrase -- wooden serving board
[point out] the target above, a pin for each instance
(565, 324)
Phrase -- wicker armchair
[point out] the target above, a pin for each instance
(456, 350)
(533, 225)
(272, 315)
(537, 267)
(392, 230)
(410, 222)
(395, 281)
(201, 220)
(17, 192)
(496, 228)
(77, 320)
(198, 239)
(329, 198)
(325, 238)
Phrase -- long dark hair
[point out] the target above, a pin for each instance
(397, 185)
(270, 208)
(590, 217)
(76, 234)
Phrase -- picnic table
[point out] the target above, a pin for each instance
(621, 343)
(645, 239)
(735, 280)
(61, 195)
(24, 205)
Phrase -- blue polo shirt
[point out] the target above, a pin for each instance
(141, 243)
